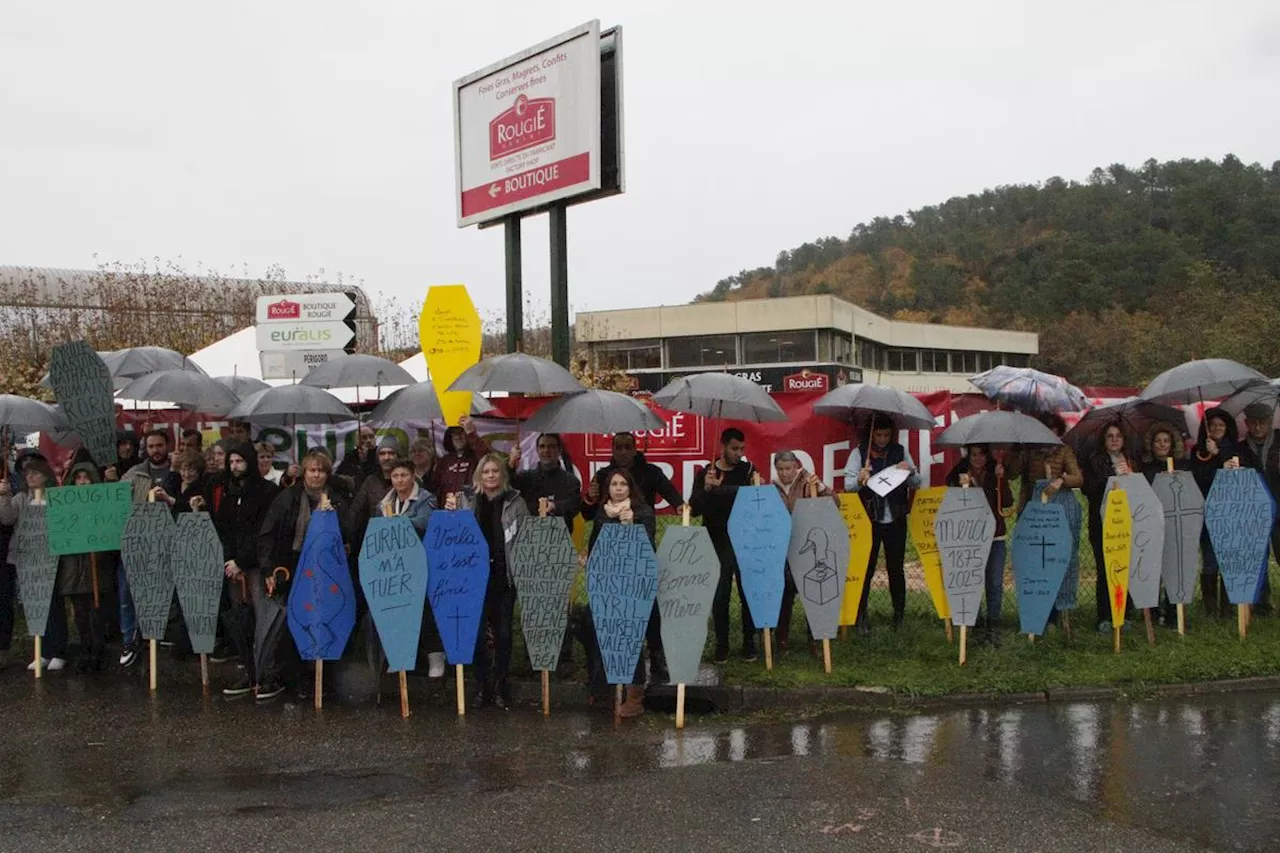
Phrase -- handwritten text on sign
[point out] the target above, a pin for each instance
(1066, 498)
(543, 566)
(622, 581)
(198, 574)
(1146, 546)
(858, 525)
(393, 575)
(760, 530)
(146, 549)
(964, 530)
(1042, 545)
(449, 330)
(84, 519)
(688, 572)
(37, 567)
(82, 384)
(1117, 546)
(920, 525)
(458, 557)
(1239, 515)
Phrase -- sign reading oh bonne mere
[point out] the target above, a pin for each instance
(527, 129)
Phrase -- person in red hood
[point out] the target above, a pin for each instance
(463, 448)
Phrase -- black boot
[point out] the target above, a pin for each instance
(1209, 594)
(658, 673)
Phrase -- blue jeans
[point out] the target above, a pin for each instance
(128, 617)
(995, 583)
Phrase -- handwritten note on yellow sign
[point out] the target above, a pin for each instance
(855, 518)
(920, 525)
(449, 329)
(1117, 537)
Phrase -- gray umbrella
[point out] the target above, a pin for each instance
(997, 428)
(720, 395)
(1268, 395)
(241, 386)
(594, 411)
(357, 370)
(291, 404)
(1205, 379)
(517, 373)
(848, 401)
(22, 415)
(134, 362)
(417, 402)
(193, 391)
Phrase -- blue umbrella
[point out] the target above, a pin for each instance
(1029, 390)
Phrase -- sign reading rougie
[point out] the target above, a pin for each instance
(527, 129)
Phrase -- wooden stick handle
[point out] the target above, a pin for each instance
(768, 648)
(1242, 619)
(1168, 462)
(1151, 626)
(685, 512)
(153, 645)
(946, 624)
(204, 671)
(617, 704)
(964, 644)
(755, 478)
(1182, 619)
(680, 705)
(546, 693)
(1116, 631)
(319, 686)
(404, 696)
(826, 656)
(39, 653)
(460, 687)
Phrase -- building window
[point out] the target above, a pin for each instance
(901, 361)
(842, 352)
(869, 354)
(933, 361)
(769, 347)
(710, 351)
(1017, 359)
(630, 355)
(824, 344)
(964, 362)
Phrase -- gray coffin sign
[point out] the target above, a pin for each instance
(688, 572)
(964, 528)
(37, 568)
(1146, 548)
(543, 566)
(146, 549)
(819, 560)
(198, 573)
(82, 383)
(1183, 505)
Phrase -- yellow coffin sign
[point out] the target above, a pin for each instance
(449, 329)
(1117, 539)
(920, 526)
(859, 524)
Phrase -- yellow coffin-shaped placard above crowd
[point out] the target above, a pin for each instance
(449, 329)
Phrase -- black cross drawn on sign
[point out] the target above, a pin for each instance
(759, 498)
(457, 625)
(1044, 545)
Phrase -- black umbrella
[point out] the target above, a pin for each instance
(416, 402)
(1135, 416)
(357, 370)
(719, 395)
(998, 428)
(517, 373)
(594, 411)
(1268, 395)
(139, 361)
(291, 404)
(848, 401)
(22, 415)
(187, 390)
(1205, 379)
(241, 386)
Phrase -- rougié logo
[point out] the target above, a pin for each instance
(526, 123)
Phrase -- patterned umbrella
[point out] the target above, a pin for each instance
(1029, 390)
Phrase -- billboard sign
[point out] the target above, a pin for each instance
(527, 129)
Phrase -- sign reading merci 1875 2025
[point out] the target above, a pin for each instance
(541, 126)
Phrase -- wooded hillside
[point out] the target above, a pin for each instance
(1123, 275)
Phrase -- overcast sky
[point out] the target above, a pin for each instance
(317, 135)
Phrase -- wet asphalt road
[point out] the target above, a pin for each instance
(100, 764)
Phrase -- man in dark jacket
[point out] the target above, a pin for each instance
(362, 460)
(1260, 450)
(552, 480)
(654, 486)
(238, 502)
(714, 489)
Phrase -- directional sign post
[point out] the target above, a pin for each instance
(300, 331)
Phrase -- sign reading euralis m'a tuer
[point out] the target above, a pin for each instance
(527, 129)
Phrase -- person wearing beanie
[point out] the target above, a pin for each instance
(1261, 451)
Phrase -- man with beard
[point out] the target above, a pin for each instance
(368, 499)
(238, 503)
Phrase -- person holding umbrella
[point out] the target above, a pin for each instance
(1058, 463)
(1217, 445)
(976, 470)
(238, 503)
(463, 448)
(1109, 459)
(888, 514)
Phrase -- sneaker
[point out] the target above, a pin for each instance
(128, 656)
(222, 656)
(435, 665)
(44, 664)
(55, 664)
(722, 654)
(749, 653)
(239, 688)
(481, 699)
(269, 691)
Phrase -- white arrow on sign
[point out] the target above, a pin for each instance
(330, 335)
(494, 189)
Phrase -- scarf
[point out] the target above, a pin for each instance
(304, 518)
(614, 510)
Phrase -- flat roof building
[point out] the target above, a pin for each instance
(796, 343)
